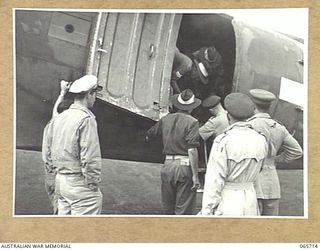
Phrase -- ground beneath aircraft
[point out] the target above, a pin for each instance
(128, 187)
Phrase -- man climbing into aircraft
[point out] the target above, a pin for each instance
(202, 72)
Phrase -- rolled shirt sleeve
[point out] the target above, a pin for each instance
(46, 149)
(208, 129)
(291, 149)
(90, 153)
(181, 65)
(192, 135)
(50, 170)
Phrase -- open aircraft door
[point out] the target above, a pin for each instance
(266, 60)
(132, 55)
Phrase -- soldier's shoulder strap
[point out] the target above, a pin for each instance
(220, 137)
(275, 122)
(268, 118)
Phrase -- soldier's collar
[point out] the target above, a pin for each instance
(240, 124)
(259, 115)
(83, 108)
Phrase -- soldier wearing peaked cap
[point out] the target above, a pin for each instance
(235, 160)
(180, 136)
(218, 122)
(215, 125)
(75, 152)
(62, 103)
(267, 185)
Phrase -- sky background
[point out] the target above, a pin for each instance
(290, 21)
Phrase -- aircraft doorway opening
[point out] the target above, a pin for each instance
(209, 30)
(196, 32)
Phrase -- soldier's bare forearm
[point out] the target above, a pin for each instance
(193, 157)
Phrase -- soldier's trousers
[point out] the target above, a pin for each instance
(176, 182)
(50, 188)
(269, 207)
(75, 197)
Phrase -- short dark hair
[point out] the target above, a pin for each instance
(64, 105)
(80, 95)
(93, 90)
(263, 107)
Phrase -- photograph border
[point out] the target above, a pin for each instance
(16, 229)
(179, 11)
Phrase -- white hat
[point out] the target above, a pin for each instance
(84, 84)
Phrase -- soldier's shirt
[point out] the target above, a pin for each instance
(179, 131)
(214, 126)
(75, 144)
(181, 65)
(267, 185)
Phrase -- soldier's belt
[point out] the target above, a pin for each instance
(238, 185)
(184, 159)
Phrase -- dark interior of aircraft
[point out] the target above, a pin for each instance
(204, 30)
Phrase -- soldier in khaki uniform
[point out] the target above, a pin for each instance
(180, 137)
(75, 155)
(62, 103)
(215, 125)
(267, 185)
(218, 122)
(235, 160)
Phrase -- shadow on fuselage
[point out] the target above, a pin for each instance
(122, 135)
